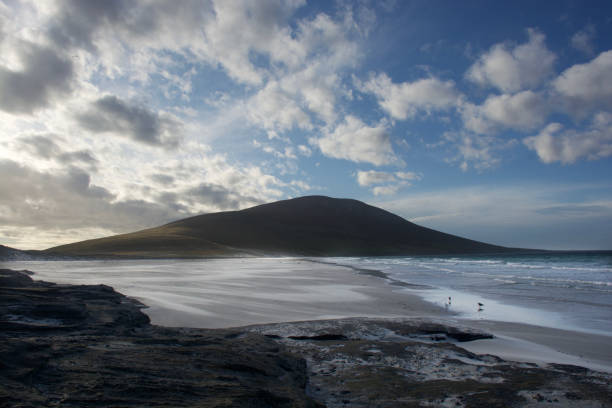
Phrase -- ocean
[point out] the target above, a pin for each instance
(562, 290)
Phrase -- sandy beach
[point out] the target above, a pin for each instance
(290, 290)
(226, 293)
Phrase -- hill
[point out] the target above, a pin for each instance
(309, 226)
(12, 254)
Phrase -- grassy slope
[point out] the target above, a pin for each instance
(160, 242)
(314, 226)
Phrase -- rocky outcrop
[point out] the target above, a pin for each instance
(419, 363)
(80, 346)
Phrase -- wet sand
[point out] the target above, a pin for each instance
(524, 342)
(305, 291)
(315, 291)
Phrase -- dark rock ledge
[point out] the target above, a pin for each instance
(89, 346)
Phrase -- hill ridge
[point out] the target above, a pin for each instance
(302, 226)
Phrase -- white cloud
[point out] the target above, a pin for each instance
(133, 40)
(522, 111)
(367, 178)
(354, 140)
(587, 87)
(300, 186)
(408, 175)
(303, 91)
(406, 99)
(385, 183)
(300, 94)
(385, 190)
(474, 150)
(553, 144)
(512, 69)
(304, 150)
(316, 86)
(276, 110)
(287, 152)
(583, 40)
(218, 32)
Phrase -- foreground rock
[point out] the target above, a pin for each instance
(80, 346)
(420, 363)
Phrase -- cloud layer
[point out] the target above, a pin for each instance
(135, 113)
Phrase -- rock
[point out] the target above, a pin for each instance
(395, 363)
(79, 346)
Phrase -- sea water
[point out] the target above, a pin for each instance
(561, 290)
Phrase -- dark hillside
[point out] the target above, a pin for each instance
(311, 226)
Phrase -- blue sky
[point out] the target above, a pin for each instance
(487, 120)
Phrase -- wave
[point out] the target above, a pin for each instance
(559, 268)
(573, 281)
(490, 269)
(514, 265)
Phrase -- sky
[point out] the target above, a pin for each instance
(488, 120)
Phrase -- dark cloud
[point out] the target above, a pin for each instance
(82, 156)
(219, 197)
(111, 114)
(78, 20)
(45, 74)
(42, 146)
(205, 194)
(171, 200)
(45, 147)
(68, 199)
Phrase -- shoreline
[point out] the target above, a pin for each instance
(281, 290)
(88, 345)
(557, 324)
(464, 303)
(518, 341)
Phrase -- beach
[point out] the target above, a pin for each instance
(88, 345)
(224, 293)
